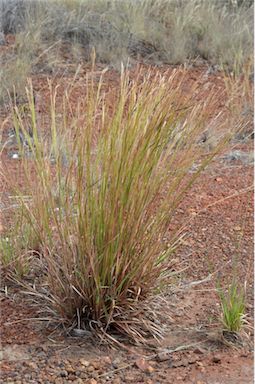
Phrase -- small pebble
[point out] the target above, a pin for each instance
(116, 362)
(70, 369)
(92, 381)
(90, 369)
(116, 381)
(106, 360)
(58, 380)
(96, 364)
(130, 378)
(163, 356)
(150, 369)
(84, 362)
(199, 351)
(216, 359)
(78, 381)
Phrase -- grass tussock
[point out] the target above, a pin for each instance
(101, 189)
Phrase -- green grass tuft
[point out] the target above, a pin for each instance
(233, 307)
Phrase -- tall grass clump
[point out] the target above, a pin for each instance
(104, 185)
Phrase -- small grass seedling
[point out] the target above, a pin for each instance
(233, 307)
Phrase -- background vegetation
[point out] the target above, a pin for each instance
(156, 31)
